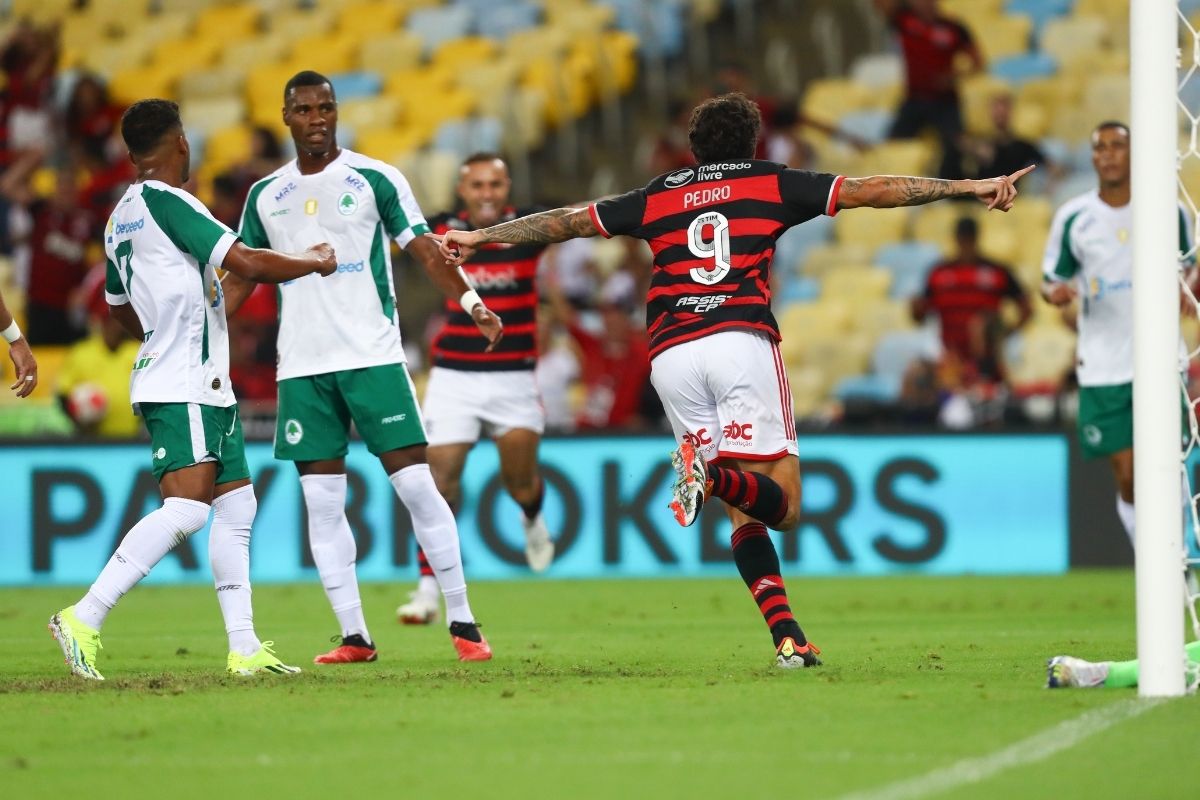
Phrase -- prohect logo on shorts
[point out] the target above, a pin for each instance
(1092, 435)
(293, 431)
(393, 418)
(698, 439)
(702, 302)
(735, 431)
(679, 178)
(347, 204)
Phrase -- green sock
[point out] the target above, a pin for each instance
(1123, 674)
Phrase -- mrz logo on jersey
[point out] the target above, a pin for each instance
(284, 192)
(701, 302)
(357, 183)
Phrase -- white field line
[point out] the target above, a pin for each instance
(1038, 747)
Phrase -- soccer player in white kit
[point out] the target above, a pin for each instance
(713, 340)
(1089, 254)
(163, 248)
(340, 356)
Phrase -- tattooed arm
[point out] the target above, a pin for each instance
(547, 227)
(890, 191)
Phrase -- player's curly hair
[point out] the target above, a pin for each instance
(724, 128)
(146, 122)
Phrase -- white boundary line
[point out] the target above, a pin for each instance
(1038, 747)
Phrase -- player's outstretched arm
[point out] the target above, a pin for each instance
(548, 227)
(269, 266)
(453, 284)
(892, 191)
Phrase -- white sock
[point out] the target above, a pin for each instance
(143, 547)
(1125, 512)
(229, 555)
(437, 533)
(334, 549)
(427, 586)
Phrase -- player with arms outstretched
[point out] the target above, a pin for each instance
(476, 390)
(713, 340)
(163, 248)
(340, 356)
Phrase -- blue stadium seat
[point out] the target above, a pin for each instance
(799, 290)
(879, 388)
(356, 85)
(661, 27)
(909, 263)
(1040, 11)
(795, 243)
(498, 21)
(436, 26)
(466, 136)
(896, 350)
(1018, 69)
(872, 124)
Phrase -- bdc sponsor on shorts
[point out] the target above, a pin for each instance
(293, 431)
(738, 434)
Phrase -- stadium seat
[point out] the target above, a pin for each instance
(463, 137)
(823, 318)
(524, 47)
(1047, 353)
(822, 258)
(389, 144)
(369, 113)
(793, 245)
(109, 58)
(224, 148)
(370, 18)
(1002, 36)
(212, 114)
(1107, 96)
(1066, 38)
(400, 50)
(873, 228)
(326, 53)
(131, 85)
(466, 51)
(934, 223)
(492, 83)
(876, 317)
(978, 92)
(798, 290)
(660, 27)
(830, 98)
(436, 26)
(436, 173)
(186, 54)
(870, 124)
(209, 83)
(809, 388)
(899, 157)
(915, 256)
(228, 22)
(896, 350)
(525, 126)
(580, 19)
(878, 70)
(1040, 11)
(355, 85)
(1027, 66)
(857, 284)
(246, 54)
(165, 25)
(502, 20)
(303, 22)
(876, 388)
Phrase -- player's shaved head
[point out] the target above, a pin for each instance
(482, 157)
(305, 78)
(724, 128)
(146, 123)
(1109, 125)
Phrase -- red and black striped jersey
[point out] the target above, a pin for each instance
(712, 230)
(505, 277)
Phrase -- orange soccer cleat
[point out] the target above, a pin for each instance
(352, 650)
(469, 642)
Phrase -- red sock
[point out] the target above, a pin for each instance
(758, 563)
(423, 564)
(749, 492)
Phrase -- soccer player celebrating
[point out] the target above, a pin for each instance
(1090, 249)
(18, 350)
(340, 357)
(714, 356)
(473, 389)
(158, 241)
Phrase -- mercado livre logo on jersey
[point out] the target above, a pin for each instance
(347, 204)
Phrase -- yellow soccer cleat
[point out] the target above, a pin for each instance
(263, 660)
(79, 643)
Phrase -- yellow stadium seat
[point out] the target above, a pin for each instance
(209, 83)
(1000, 238)
(935, 222)
(1050, 94)
(325, 53)
(165, 25)
(390, 53)
(826, 258)
(829, 98)
(875, 316)
(264, 92)
(41, 11)
(530, 45)
(225, 148)
(1089, 64)
(977, 93)
(1107, 96)
(186, 6)
(568, 93)
(246, 54)
(899, 157)
(389, 144)
(823, 319)
(1000, 36)
(366, 114)
(186, 54)
(1066, 38)
(1029, 122)
(856, 284)
(427, 110)
(580, 19)
(836, 357)
(1047, 353)
(370, 17)
(109, 58)
(436, 174)
(873, 228)
(418, 81)
(809, 388)
(229, 22)
(1073, 124)
(459, 53)
(492, 83)
(524, 120)
(297, 23)
(617, 60)
(212, 114)
(131, 85)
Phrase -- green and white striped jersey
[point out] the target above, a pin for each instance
(1091, 243)
(356, 204)
(163, 247)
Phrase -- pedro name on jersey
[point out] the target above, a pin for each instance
(505, 277)
(712, 230)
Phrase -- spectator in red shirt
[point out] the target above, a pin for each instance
(931, 42)
(90, 120)
(966, 293)
(58, 238)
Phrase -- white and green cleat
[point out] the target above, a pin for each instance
(262, 661)
(79, 643)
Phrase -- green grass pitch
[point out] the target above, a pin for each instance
(606, 689)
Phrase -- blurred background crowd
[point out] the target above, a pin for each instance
(926, 316)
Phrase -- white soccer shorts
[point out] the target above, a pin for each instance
(461, 405)
(728, 394)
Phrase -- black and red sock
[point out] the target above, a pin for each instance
(756, 559)
(535, 508)
(750, 493)
(423, 564)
